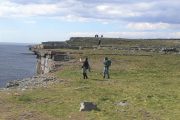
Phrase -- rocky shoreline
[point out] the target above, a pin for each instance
(33, 82)
(37, 81)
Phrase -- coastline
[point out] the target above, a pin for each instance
(45, 69)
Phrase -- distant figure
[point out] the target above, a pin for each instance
(96, 36)
(85, 68)
(107, 64)
(99, 42)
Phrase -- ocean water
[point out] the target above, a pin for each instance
(16, 62)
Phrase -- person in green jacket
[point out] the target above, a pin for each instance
(107, 64)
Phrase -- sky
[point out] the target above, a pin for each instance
(36, 21)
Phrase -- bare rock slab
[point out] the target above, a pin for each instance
(122, 103)
(87, 106)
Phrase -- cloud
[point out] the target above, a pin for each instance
(148, 26)
(34, 1)
(147, 11)
(118, 11)
(8, 9)
(72, 18)
(124, 10)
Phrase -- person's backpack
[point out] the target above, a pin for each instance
(109, 63)
(86, 65)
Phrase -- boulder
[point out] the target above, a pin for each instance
(87, 106)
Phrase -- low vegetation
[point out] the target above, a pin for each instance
(147, 82)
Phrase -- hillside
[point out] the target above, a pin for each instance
(119, 43)
(123, 42)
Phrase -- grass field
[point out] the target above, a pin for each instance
(147, 82)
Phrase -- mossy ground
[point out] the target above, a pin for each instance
(148, 82)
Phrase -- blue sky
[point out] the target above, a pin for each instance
(35, 21)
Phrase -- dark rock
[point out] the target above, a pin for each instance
(48, 79)
(87, 106)
(12, 84)
(166, 50)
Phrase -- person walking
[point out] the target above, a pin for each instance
(107, 64)
(85, 68)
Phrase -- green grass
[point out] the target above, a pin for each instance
(149, 84)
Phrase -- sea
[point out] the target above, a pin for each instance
(16, 62)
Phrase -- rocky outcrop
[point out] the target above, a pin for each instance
(48, 60)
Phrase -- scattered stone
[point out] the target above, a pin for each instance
(167, 50)
(48, 79)
(33, 82)
(122, 103)
(87, 106)
(35, 77)
(12, 84)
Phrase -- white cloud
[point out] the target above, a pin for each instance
(176, 34)
(116, 10)
(72, 18)
(8, 9)
(148, 26)
(142, 6)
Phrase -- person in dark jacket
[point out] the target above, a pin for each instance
(85, 68)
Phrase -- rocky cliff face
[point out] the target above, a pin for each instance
(48, 60)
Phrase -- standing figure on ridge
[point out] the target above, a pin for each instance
(85, 68)
(107, 64)
(99, 42)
